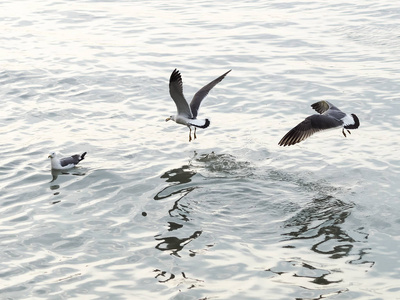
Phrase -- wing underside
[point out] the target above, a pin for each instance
(308, 127)
(176, 92)
(202, 93)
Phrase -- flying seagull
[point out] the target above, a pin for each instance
(66, 162)
(186, 115)
(329, 117)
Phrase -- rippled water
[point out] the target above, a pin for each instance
(231, 215)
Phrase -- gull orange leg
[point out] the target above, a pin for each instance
(194, 135)
(190, 134)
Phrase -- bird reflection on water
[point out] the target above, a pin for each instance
(175, 244)
(320, 223)
(319, 226)
(55, 174)
(182, 177)
(329, 213)
(182, 182)
(322, 219)
(182, 185)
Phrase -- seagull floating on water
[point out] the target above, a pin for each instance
(65, 162)
(186, 115)
(329, 117)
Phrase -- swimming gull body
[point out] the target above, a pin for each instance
(65, 162)
(187, 114)
(329, 117)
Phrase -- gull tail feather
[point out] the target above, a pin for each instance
(200, 123)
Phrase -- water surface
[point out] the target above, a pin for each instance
(230, 215)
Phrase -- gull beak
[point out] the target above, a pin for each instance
(167, 119)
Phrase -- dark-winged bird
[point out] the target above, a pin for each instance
(329, 117)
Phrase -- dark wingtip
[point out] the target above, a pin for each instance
(293, 137)
(320, 106)
(223, 75)
(356, 123)
(175, 75)
(284, 141)
(206, 124)
(356, 120)
(82, 156)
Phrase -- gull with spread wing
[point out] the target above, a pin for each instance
(329, 117)
(187, 114)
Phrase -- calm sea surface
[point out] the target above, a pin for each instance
(231, 215)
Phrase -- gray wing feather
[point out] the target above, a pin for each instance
(323, 106)
(74, 159)
(202, 93)
(176, 92)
